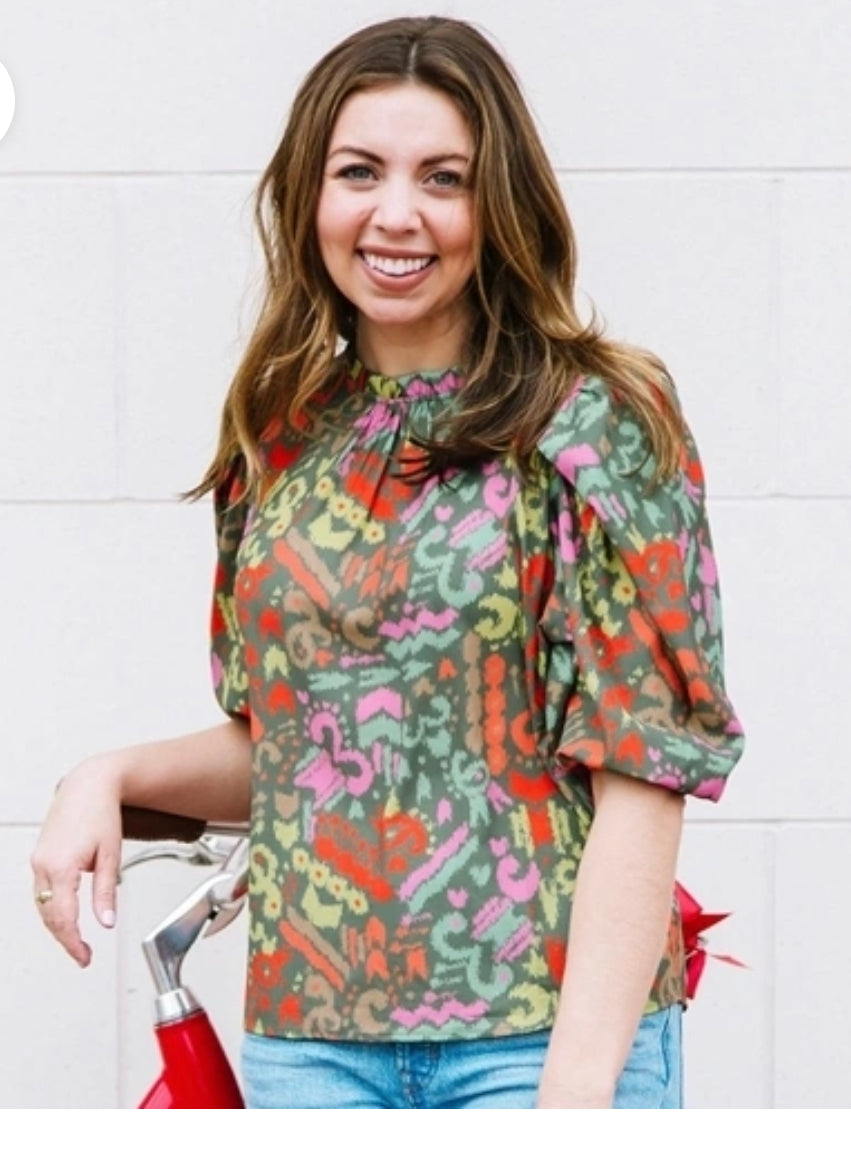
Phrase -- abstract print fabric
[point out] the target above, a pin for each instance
(433, 671)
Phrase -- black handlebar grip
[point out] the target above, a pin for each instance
(141, 823)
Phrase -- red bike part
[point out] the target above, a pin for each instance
(196, 1073)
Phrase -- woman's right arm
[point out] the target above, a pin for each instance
(205, 774)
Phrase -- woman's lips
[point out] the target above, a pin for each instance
(399, 268)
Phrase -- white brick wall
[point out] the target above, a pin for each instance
(704, 152)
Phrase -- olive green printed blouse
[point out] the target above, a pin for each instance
(433, 671)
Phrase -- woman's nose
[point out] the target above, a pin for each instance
(396, 207)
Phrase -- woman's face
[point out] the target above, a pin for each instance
(395, 218)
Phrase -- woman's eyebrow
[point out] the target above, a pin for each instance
(438, 159)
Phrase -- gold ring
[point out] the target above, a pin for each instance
(43, 896)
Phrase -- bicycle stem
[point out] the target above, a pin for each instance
(219, 898)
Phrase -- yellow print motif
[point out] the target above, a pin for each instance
(324, 530)
(264, 881)
(608, 625)
(275, 662)
(320, 914)
(286, 832)
(280, 507)
(507, 577)
(503, 620)
(521, 831)
(338, 887)
(553, 889)
(534, 1006)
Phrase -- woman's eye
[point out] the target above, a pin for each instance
(356, 173)
(447, 179)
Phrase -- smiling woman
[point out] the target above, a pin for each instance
(465, 626)
(395, 224)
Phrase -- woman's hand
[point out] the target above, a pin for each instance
(205, 774)
(81, 833)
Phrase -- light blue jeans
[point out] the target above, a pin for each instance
(493, 1073)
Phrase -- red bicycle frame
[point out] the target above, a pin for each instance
(196, 1073)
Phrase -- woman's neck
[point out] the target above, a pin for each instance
(395, 351)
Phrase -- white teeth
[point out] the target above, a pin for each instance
(396, 266)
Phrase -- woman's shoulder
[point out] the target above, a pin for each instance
(596, 429)
(598, 447)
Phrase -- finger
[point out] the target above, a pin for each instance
(104, 887)
(61, 915)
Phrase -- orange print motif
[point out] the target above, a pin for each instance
(495, 714)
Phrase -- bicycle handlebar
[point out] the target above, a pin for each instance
(152, 826)
(141, 823)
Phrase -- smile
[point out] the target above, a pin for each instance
(396, 266)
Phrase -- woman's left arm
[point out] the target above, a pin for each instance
(619, 923)
(647, 719)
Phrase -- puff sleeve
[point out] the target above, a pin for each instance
(639, 603)
(230, 678)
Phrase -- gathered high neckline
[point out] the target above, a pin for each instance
(412, 386)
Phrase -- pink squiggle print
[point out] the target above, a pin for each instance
(381, 417)
(324, 722)
(498, 798)
(499, 494)
(419, 388)
(423, 620)
(564, 534)
(520, 888)
(574, 458)
(347, 661)
(598, 505)
(382, 699)
(431, 867)
(468, 526)
(322, 778)
(451, 1010)
(516, 944)
(488, 915)
(708, 571)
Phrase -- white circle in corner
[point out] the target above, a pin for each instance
(7, 101)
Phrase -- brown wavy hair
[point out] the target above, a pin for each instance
(527, 344)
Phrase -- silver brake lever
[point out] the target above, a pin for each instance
(224, 917)
(206, 851)
(229, 892)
